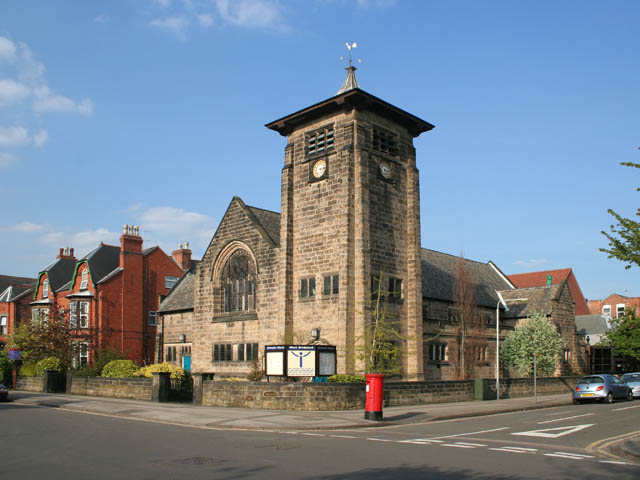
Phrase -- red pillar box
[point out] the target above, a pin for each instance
(374, 394)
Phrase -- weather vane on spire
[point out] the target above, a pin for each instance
(350, 82)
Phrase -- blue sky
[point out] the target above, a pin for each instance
(152, 113)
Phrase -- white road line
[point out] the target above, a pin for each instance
(313, 434)
(572, 457)
(342, 436)
(472, 444)
(473, 433)
(420, 440)
(576, 454)
(292, 433)
(379, 439)
(456, 445)
(615, 463)
(565, 418)
(624, 408)
(511, 450)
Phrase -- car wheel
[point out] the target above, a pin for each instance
(609, 398)
(576, 401)
(629, 396)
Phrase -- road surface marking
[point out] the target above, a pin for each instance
(420, 440)
(565, 418)
(615, 463)
(559, 431)
(379, 439)
(313, 434)
(624, 408)
(573, 456)
(473, 433)
(471, 444)
(342, 436)
(456, 445)
(514, 450)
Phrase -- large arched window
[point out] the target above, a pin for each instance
(238, 282)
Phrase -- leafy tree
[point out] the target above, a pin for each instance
(624, 337)
(624, 239)
(534, 335)
(51, 336)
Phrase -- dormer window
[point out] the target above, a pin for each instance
(45, 289)
(84, 280)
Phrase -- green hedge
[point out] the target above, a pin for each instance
(120, 369)
(49, 363)
(343, 378)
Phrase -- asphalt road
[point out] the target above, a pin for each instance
(550, 443)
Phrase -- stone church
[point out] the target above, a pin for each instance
(350, 216)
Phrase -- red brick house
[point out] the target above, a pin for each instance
(112, 294)
(14, 294)
(553, 277)
(614, 305)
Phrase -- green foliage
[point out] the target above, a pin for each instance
(624, 239)
(6, 368)
(100, 359)
(49, 363)
(343, 378)
(120, 369)
(624, 336)
(257, 373)
(534, 335)
(27, 370)
(176, 372)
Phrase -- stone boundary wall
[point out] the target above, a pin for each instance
(416, 393)
(131, 388)
(523, 387)
(30, 384)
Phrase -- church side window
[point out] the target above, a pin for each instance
(308, 287)
(320, 140)
(384, 141)
(239, 283)
(331, 285)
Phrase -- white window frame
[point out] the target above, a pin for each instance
(83, 311)
(4, 326)
(170, 281)
(618, 307)
(81, 351)
(153, 319)
(84, 279)
(606, 310)
(45, 288)
(73, 314)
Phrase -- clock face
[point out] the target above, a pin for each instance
(385, 170)
(319, 168)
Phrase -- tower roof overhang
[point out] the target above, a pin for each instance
(349, 100)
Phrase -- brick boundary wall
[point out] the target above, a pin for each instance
(131, 388)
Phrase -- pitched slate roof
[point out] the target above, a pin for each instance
(59, 272)
(17, 285)
(270, 222)
(592, 324)
(539, 279)
(102, 260)
(538, 300)
(181, 295)
(439, 278)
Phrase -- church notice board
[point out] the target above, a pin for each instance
(300, 360)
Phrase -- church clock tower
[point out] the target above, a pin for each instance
(350, 217)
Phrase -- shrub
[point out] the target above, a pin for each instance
(344, 378)
(176, 372)
(232, 379)
(27, 370)
(101, 358)
(5, 369)
(49, 363)
(120, 369)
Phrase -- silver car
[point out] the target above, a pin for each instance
(602, 387)
(633, 380)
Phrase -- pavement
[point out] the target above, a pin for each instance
(186, 414)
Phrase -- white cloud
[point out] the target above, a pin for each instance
(82, 242)
(7, 48)
(27, 227)
(251, 13)
(533, 263)
(12, 91)
(6, 159)
(47, 101)
(40, 138)
(176, 25)
(163, 3)
(102, 18)
(13, 136)
(170, 226)
(205, 19)
(376, 3)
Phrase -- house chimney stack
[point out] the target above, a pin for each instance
(182, 256)
(66, 252)
(130, 242)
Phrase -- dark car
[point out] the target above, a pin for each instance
(4, 393)
(602, 387)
